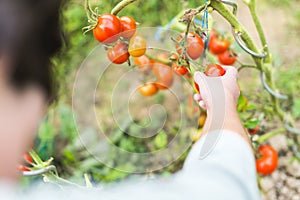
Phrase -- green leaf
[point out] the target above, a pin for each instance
(296, 108)
(242, 103)
(251, 123)
(251, 107)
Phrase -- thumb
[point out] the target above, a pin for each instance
(199, 78)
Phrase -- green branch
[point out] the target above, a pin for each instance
(267, 136)
(252, 8)
(167, 62)
(120, 6)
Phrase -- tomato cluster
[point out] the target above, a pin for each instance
(120, 36)
(220, 46)
(123, 41)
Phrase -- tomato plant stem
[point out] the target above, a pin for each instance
(91, 15)
(252, 8)
(120, 6)
(167, 62)
(35, 157)
(246, 66)
(267, 136)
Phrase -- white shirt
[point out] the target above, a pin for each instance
(227, 172)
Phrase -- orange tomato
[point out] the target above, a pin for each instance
(164, 76)
(148, 89)
(137, 46)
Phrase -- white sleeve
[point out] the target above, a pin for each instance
(226, 170)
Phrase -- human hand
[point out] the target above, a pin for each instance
(221, 90)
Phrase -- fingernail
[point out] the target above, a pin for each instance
(197, 97)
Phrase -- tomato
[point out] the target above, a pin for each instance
(194, 46)
(128, 26)
(144, 63)
(118, 54)
(23, 168)
(28, 158)
(213, 34)
(253, 131)
(141, 61)
(180, 70)
(217, 46)
(214, 70)
(107, 29)
(164, 75)
(227, 57)
(148, 89)
(268, 162)
(137, 46)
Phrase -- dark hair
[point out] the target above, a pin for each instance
(30, 35)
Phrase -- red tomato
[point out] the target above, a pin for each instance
(227, 57)
(214, 70)
(128, 26)
(217, 46)
(253, 131)
(180, 70)
(144, 63)
(266, 164)
(148, 89)
(137, 46)
(194, 46)
(23, 168)
(118, 54)
(28, 158)
(141, 61)
(164, 75)
(213, 34)
(108, 29)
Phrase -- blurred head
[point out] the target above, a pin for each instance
(29, 36)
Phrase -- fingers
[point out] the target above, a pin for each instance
(199, 78)
(199, 100)
(230, 71)
(197, 97)
(202, 105)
